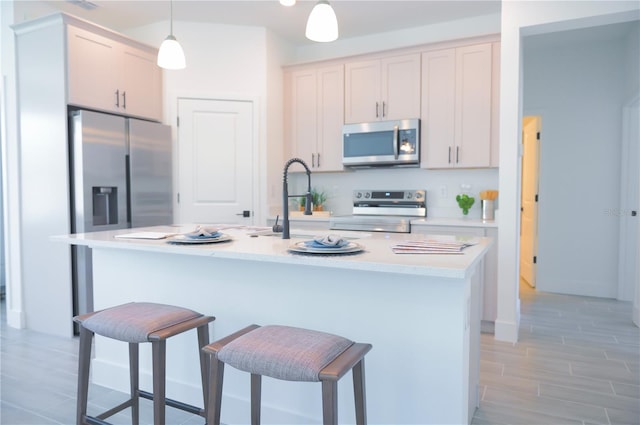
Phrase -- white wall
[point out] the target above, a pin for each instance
(521, 19)
(451, 30)
(246, 66)
(339, 187)
(579, 89)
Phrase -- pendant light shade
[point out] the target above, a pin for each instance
(322, 24)
(171, 55)
(288, 3)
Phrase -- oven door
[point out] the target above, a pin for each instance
(381, 143)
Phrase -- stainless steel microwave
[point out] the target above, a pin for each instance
(381, 143)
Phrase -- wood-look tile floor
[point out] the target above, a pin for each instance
(577, 361)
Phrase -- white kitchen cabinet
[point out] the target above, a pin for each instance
(382, 89)
(490, 273)
(112, 76)
(314, 109)
(457, 107)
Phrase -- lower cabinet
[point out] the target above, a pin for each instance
(490, 285)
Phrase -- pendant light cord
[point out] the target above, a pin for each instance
(171, 13)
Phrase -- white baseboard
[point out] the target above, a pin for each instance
(16, 319)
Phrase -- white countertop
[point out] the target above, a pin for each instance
(449, 221)
(377, 254)
(427, 221)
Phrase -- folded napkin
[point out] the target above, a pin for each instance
(202, 232)
(327, 241)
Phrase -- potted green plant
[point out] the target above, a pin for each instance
(465, 202)
(318, 198)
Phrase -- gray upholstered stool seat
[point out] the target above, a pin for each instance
(136, 323)
(291, 354)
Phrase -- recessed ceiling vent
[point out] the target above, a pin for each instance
(85, 4)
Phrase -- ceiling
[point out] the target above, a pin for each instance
(355, 17)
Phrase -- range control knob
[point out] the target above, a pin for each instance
(418, 195)
(367, 195)
(408, 195)
(359, 195)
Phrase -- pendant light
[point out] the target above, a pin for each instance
(171, 55)
(322, 24)
(288, 3)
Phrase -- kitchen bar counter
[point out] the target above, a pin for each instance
(421, 313)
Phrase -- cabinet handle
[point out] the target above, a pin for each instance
(117, 98)
(377, 115)
(457, 154)
(124, 99)
(395, 139)
(449, 154)
(318, 159)
(384, 107)
(313, 160)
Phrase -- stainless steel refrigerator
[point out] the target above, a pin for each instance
(121, 177)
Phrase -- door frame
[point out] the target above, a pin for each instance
(258, 163)
(626, 288)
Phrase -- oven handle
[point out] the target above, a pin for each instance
(395, 141)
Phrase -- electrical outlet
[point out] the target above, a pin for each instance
(443, 191)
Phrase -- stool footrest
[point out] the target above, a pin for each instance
(175, 404)
(120, 407)
(91, 420)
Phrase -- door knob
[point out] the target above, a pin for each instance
(245, 213)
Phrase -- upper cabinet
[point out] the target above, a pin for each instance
(457, 107)
(382, 89)
(314, 111)
(112, 76)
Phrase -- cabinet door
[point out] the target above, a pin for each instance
(330, 109)
(495, 105)
(303, 124)
(473, 106)
(438, 108)
(140, 84)
(400, 87)
(93, 70)
(362, 92)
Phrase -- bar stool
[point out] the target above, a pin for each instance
(136, 323)
(290, 354)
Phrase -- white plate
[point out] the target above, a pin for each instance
(347, 249)
(183, 240)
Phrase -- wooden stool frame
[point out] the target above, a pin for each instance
(158, 342)
(351, 359)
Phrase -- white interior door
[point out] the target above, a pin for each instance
(215, 161)
(529, 204)
(628, 273)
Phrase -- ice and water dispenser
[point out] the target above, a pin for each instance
(105, 205)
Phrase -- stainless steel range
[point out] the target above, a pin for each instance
(383, 211)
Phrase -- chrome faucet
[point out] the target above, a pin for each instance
(286, 196)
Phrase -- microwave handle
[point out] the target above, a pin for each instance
(395, 141)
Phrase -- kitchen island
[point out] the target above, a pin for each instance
(421, 313)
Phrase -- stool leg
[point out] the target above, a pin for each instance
(203, 340)
(256, 398)
(359, 393)
(159, 354)
(84, 361)
(214, 396)
(330, 402)
(134, 380)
